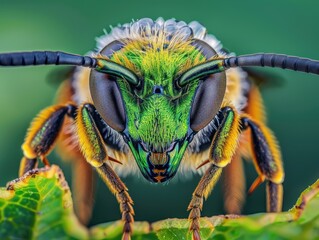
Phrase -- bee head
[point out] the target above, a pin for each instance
(151, 88)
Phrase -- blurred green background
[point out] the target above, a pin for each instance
(286, 26)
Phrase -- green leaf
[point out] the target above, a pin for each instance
(39, 206)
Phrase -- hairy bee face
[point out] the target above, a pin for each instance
(145, 101)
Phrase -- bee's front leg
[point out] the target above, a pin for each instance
(89, 126)
(42, 135)
(266, 156)
(222, 149)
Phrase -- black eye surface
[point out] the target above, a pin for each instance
(207, 101)
(210, 93)
(106, 95)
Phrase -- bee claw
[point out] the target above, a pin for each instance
(45, 161)
(114, 160)
(202, 164)
(126, 236)
(259, 180)
(196, 235)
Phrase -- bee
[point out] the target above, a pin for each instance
(160, 98)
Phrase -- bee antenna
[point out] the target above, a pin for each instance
(45, 58)
(273, 60)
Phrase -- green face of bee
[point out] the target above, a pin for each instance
(157, 116)
(157, 112)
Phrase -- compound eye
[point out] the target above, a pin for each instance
(207, 101)
(211, 90)
(108, 100)
(105, 93)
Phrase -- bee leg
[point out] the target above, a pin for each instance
(89, 125)
(83, 189)
(234, 184)
(267, 161)
(221, 152)
(42, 135)
(203, 189)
